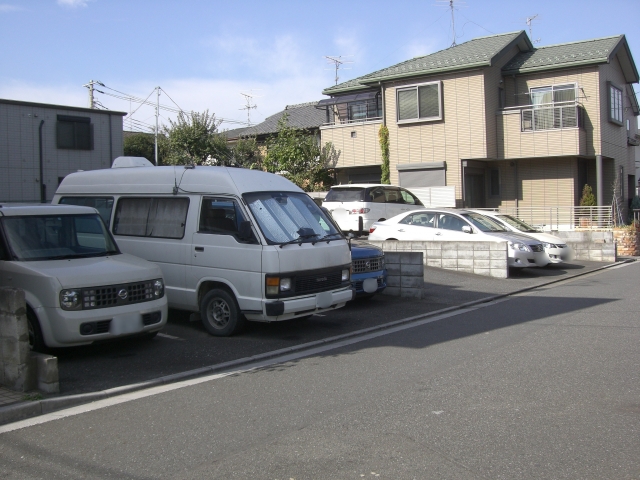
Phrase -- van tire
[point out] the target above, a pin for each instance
(36, 341)
(220, 314)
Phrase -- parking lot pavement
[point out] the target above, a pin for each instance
(183, 345)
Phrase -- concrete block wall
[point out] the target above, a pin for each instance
(14, 340)
(405, 274)
(597, 246)
(480, 258)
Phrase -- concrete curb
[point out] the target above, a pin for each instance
(20, 411)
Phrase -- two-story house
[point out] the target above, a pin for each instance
(507, 124)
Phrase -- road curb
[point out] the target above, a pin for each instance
(28, 409)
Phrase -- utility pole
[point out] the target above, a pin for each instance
(157, 114)
(90, 87)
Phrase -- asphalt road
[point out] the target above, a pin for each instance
(538, 385)
(185, 345)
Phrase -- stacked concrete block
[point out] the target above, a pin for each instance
(405, 271)
(14, 340)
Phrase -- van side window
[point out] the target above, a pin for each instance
(220, 215)
(376, 195)
(409, 198)
(104, 205)
(151, 217)
(393, 196)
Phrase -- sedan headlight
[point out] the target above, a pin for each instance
(547, 246)
(158, 288)
(71, 299)
(519, 246)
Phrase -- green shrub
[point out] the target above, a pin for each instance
(588, 198)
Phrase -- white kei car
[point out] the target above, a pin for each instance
(456, 225)
(556, 247)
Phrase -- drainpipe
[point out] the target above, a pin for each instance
(384, 115)
(43, 195)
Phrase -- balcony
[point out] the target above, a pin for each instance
(545, 130)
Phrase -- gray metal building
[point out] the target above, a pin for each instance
(40, 144)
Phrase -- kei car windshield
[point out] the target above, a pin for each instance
(286, 216)
(55, 237)
(517, 223)
(484, 223)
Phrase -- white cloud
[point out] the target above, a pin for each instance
(6, 8)
(74, 3)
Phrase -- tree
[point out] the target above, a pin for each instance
(194, 139)
(587, 199)
(298, 156)
(247, 153)
(383, 137)
(141, 145)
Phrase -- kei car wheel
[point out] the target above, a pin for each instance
(36, 342)
(220, 313)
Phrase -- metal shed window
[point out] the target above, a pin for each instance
(74, 133)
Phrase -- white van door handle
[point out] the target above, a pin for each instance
(438, 233)
(199, 249)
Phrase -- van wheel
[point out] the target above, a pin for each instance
(392, 239)
(220, 313)
(36, 342)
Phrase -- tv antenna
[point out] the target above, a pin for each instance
(337, 62)
(529, 20)
(248, 106)
(451, 5)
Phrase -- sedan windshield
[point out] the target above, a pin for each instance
(55, 237)
(517, 223)
(484, 223)
(290, 217)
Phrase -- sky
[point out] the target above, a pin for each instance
(204, 54)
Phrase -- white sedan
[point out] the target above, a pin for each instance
(460, 225)
(556, 247)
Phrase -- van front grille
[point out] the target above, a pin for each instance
(318, 282)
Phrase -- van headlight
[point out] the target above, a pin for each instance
(158, 288)
(519, 246)
(71, 299)
(346, 274)
(276, 285)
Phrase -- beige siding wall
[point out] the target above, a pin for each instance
(355, 151)
(460, 135)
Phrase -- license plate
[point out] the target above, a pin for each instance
(126, 323)
(324, 300)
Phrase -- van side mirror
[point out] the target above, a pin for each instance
(245, 233)
(467, 229)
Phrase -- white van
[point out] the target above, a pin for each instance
(232, 243)
(355, 207)
(78, 286)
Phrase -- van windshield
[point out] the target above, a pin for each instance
(56, 237)
(290, 216)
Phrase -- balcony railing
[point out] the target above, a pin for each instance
(549, 116)
(345, 121)
(562, 218)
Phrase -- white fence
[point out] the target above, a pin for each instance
(562, 218)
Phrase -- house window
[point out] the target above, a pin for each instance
(364, 110)
(615, 104)
(494, 182)
(554, 106)
(420, 102)
(74, 133)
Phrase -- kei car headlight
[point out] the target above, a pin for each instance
(158, 288)
(71, 299)
(519, 246)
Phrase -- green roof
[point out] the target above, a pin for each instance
(587, 52)
(474, 53)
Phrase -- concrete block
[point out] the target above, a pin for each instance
(433, 253)
(500, 264)
(478, 263)
(403, 247)
(449, 246)
(394, 281)
(434, 262)
(15, 376)
(413, 258)
(465, 269)
(47, 367)
(433, 246)
(464, 263)
(412, 270)
(10, 350)
(9, 326)
(412, 282)
(483, 254)
(450, 263)
(417, 246)
(482, 271)
(497, 254)
(481, 246)
(389, 245)
(466, 253)
(393, 268)
(500, 273)
(391, 257)
(12, 301)
(392, 291)
(412, 292)
(502, 246)
(446, 253)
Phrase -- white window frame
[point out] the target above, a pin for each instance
(616, 104)
(417, 118)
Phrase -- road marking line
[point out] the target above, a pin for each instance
(166, 335)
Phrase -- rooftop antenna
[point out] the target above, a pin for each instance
(529, 20)
(337, 62)
(451, 5)
(248, 106)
